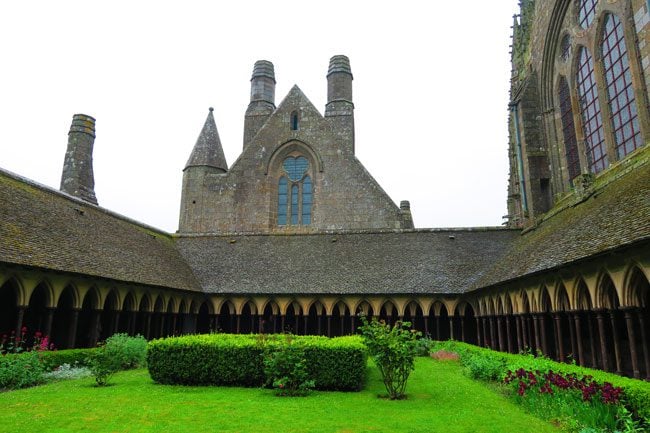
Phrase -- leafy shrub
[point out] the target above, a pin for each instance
(67, 371)
(286, 371)
(393, 350)
(423, 346)
(73, 357)
(119, 352)
(238, 360)
(483, 367)
(20, 370)
(636, 393)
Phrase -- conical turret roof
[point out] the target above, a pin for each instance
(207, 150)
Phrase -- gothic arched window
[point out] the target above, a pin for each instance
(592, 121)
(586, 12)
(620, 93)
(294, 121)
(568, 130)
(295, 192)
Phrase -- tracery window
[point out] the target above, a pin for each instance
(295, 180)
(586, 12)
(620, 93)
(592, 122)
(565, 48)
(568, 130)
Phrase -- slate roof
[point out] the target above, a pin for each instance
(44, 228)
(614, 217)
(392, 262)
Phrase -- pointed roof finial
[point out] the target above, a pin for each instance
(207, 150)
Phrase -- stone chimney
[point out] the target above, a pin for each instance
(406, 218)
(77, 178)
(339, 110)
(262, 103)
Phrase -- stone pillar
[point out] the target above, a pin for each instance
(536, 332)
(508, 332)
(479, 337)
(542, 328)
(617, 349)
(500, 333)
(352, 330)
(629, 320)
(19, 319)
(592, 343)
(319, 330)
(520, 343)
(47, 330)
(93, 336)
(493, 338)
(572, 333)
(163, 319)
(451, 327)
(576, 320)
(116, 323)
(329, 326)
(238, 326)
(603, 340)
(305, 328)
(644, 342)
(438, 328)
(147, 325)
(558, 335)
(72, 329)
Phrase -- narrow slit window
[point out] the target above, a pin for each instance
(294, 121)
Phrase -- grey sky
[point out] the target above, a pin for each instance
(430, 89)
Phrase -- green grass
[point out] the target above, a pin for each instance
(440, 399)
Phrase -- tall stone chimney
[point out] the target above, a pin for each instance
(262, 103)
(339, 110)
(77, 178)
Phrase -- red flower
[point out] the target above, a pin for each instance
(23, 329)
(37, 334)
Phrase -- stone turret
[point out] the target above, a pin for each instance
(77, 178)
(262, 102)
(206, 160)
(340, 109)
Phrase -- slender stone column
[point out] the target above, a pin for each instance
(94, 328)
(319, 318)
(147, 325)
(116, 323)
(72, 329)
(536, 332)
(462, 329)
(592, 343)
(576, 320)
(47, 330)
(493, 338)
(509, 332)
(438, 328)
(342, 320)
(329, 326)
(572, 333)
(163, 319)
(451, 327)
(542, 328)
(644, 342)
(479, 337)
(500, 333)
(305, 329)
(238, 327)
(603, 340)
(629, 320)
(617, 349)
(19, 319)
(525, 337)
(519, 333)
(485, 328)
(558, 335)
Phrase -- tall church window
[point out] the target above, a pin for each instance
(568, 130)
(622, 104)
(586, 12)
(294, 121)
(592, 121)
(295, 192)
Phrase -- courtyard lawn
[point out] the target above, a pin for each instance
(440, 399)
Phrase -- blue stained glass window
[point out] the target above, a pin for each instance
(296, 167)
(282, 201)
(294, 204)
(306, 201)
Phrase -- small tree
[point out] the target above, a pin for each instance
(393, 350)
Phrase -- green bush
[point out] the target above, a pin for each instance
(20, 370)
(73, 357)
(285, 368)
(238, 360)
(636, 392)
(393, 349)
(119, 352)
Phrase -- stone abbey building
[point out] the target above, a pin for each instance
(297, 235)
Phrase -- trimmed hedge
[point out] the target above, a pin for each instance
(487, 364)
(54, 358)
(237, 360)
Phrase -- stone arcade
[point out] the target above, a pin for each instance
(297, 235)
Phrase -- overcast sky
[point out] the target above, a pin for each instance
(430, 85)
